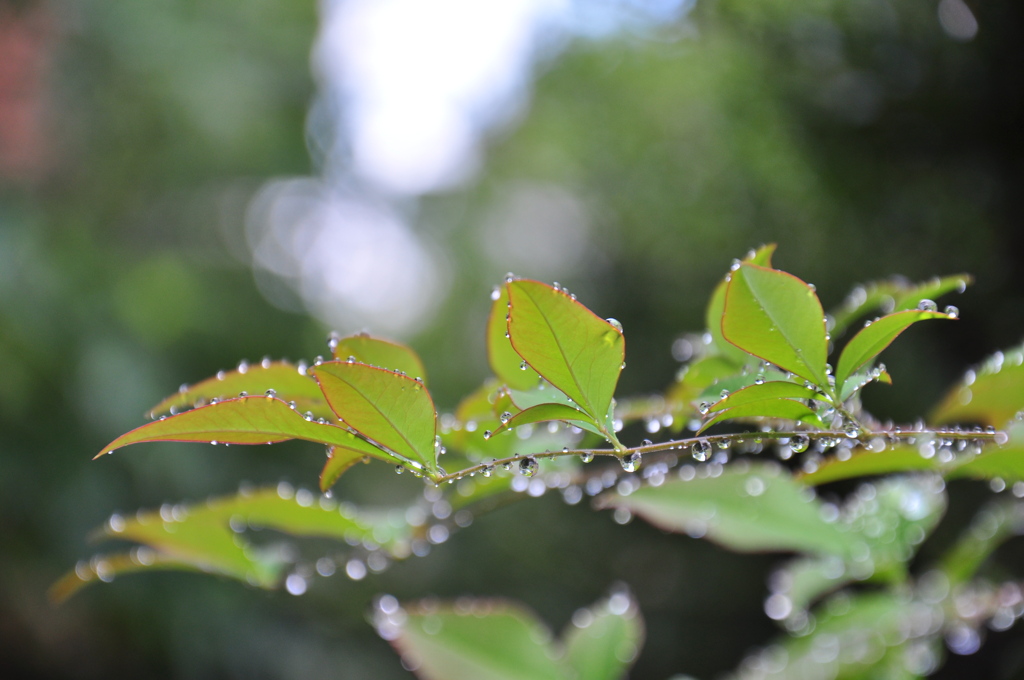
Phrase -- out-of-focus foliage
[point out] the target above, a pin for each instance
(853, 132)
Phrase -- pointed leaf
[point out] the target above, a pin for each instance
(606, 646)
(339, 460)
(784, 409)
(291, 383)
(777, 317)
(716, 306)
(505, 362)
(745, 508)
(991, 395)
(388, 408)
(544, 412)
(210, 536)
(894, 295)
(545, 393)
(869, 342)
(381, 353)
(775, 389)
(246, 420)
(693, 379)
(572, 348)
(482, 640)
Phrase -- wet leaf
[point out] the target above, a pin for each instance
(864, 463)
(775, 389)
(869, 342)
(543, 413)
(693, 379)
(991, 394)
(716, 306)
(745, 508)
(606, 646)
(205, 536)
(783, 409)
(381, 353)
(573, 349)
(890, 296)
(289, 382)
(246, 420)
(545, 394)
(778, 318)
(387, 408)
(483, 640)
(505, 362)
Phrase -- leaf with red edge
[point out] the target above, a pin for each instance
(869, 342)
(506, 364)
(782, 409)
(367, 349)
(777, 317)
(246, 420)
(542, 413)
(388, 408)
(567, 344)
(289, 382)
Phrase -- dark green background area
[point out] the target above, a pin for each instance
(855, 134)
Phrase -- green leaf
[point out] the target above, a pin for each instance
(482, 640)
(716, 306)
(745, 508)
(783, 409)
(339, 460)
(567, 344)
(381, 353)
(210, 536)
(291, 383)
(869, 342)
(777, 317)
(865, 463)
(693, 379)
(991, 394)
(388, 408)
(505, 362)
(775, 389)
(542, 413)
(246, 420)
(890, 296)
(930, 290)
(606, 646)
(545, 393)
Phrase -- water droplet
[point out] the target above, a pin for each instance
(487, 434)
(614, 323)
(952, 312)
(799, 443)
(243, 366)
(586, 457)
(495, 293)
(505, 417)
(927, 305)
(647, 442)
(523, 366)
(487, 470)
(243, 393)
(507, 465)
(700, 450)
(704, 408)
(723, 394)
(221, 375)
(528, 466)
(351, 359)
(271, 393)
(213, 442)
(399, 469)
(295, 584)
(631, 461)
(852, 430)
(759, 381)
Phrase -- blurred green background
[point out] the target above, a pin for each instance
(178, 188)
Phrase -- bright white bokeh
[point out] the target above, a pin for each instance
(408, 93)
